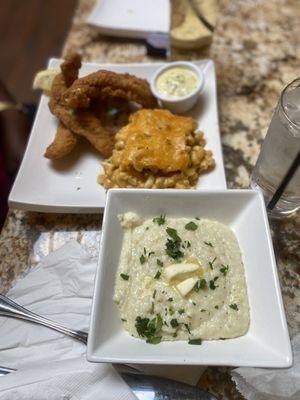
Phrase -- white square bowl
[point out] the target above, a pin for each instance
(266, 343)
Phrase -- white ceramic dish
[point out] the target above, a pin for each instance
(266, 344)
(182, 104)
(131, 18)
(70, 184)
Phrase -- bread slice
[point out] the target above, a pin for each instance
(207, 9)
(188, 31)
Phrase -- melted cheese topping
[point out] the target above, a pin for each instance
(156, 140)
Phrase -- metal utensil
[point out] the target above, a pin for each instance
(9, 308)
(144, 387)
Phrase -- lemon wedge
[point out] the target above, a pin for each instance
(44, 79)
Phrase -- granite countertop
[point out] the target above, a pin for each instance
(256, 48)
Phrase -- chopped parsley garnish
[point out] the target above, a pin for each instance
(124, 276)
(154, 294)
(152, 308)
(174, 323)
(195, 341)
(159, 263)
(142, 259)
(211, 263)
(157, 275)
(160, 220)
(208, 244)
(187, 243)
(175, 334)
(145, 251)
(234, 306)
(149, 329)
(212, 285)
(170, 299)
(181, 311)
(187, 328)
(173, 234)
(151, 252)
(191, 226)
(123, 319)
(216, 307)
(171, 310)
(202, 310)
(173, 246)
(173, 249)
(194, 303)
(197, 218)
(224, 269)
(200, 284)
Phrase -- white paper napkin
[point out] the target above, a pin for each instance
(49, 364)
(271, 384)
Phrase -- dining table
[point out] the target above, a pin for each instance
(256, 51)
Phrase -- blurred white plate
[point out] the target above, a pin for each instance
(70, 185)
(131, 18)
(266, 344)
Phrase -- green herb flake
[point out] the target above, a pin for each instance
(212, 285)
(152, 308)
(157, 275)
(154, 294)
(194, 303)
(234, 306)
(208, 244)
(142, 259)
(170, 299)
(124, 276)
(175, 334)
(160, 220)
(195, 341)
(174, 323)
(191, 226)
(154, 340)
(197, 218)
(202, 310)
(171, 310)
(211, 263)
(224, 269)
(123, 319)
(173, 234)
(200, 284)
(216, 307)
(159, 263)
(149, 329)
(181, 311)
(187, 328)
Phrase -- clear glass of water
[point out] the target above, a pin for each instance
(279, 156)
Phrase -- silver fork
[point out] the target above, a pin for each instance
(9, 308)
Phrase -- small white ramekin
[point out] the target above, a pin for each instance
(181, 104)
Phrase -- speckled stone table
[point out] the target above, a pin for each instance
(256, 48)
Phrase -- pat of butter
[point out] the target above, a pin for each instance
(186, 286)
(177, 269)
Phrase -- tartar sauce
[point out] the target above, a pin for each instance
(177, 82)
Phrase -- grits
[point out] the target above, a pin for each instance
(182, 283)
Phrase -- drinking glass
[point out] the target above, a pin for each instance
(277, 173)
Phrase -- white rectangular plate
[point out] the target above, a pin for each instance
(131, 18)
(70, 184)
(266, 344)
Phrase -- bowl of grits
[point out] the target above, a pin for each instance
(187, 278)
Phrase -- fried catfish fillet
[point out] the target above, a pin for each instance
(65, 140)
(102, 84)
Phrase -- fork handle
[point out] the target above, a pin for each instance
(9, 308)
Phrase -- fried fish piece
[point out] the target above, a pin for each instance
(103, 84)
(63, 143)
(65, 140)
(86, 124)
